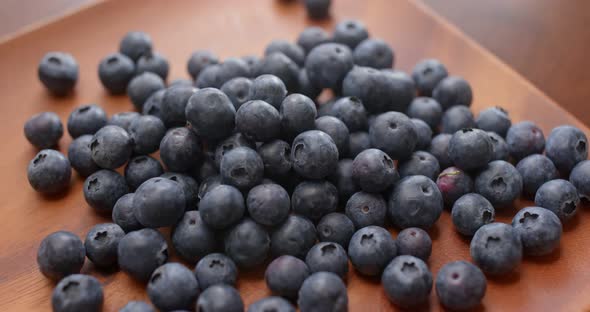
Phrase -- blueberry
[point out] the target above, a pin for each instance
(323, 291)
(294, 237)
(401, 89)
(142, 86)
(337, 130)
(424, 134)
(276, 156)
(124, 214)
(60, 254)
(222, 206)
(192, 238)
(499, 182)
(314, 154)
(559, 196)
(335, 227)
(210, 77)
(426, 109)
(49, 172)
(242, 167)
(180, 149)
(101, 244)
(153, 62)
(306, 87)
(314, 199)
(174, 104)
(44, 130)
(251, 62)
(460, 285)
(298, 114)
(137, 306)
(281, 66)
(379, 91)
(494, 119)
(523, 139)
(470, 149)
(499, 147)
(456, 118)
(80, 157)
(207, 185)
(439, 148)
(58, 71)
(318, 9)
(181, 82)
(407, 281)
(258, 121)
(141, 252)
(414, 242)
(220, 298)
(199, 60)
(172, 286)
(135, 44)
(350, 33)
(352, 113)
(235, 140)
(270, 89)
(496, 248)
(211, 114)
(140, 169)
(237, 90)
(539, 229)
(328, 257)
(285, 275)
(189, 186)
(579, 178)
(273, 303)
(311, 37)
(86, 119)
(123, 119)
(111, 147)
(374, 53)
(420, 163)
(216, 268)
(451, 91)
(470, 212)
(215, 76)
(115, 71)
(358, 142)
(366, 209)
(153, 104)
(394, 134)
(103, 188)
(159, 202)
(371, 249)
(454, 183)
(291, 50)
(343, 180)
(535, 170)
(427, 74)
(77, 292)
(327, 64)
(566, 146)
(147, 133)
(268, 204)
(415, 202)
(247, 243)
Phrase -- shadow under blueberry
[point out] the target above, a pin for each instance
(504, 279)
(545, 259)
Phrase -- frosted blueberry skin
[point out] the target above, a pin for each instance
(427, 74)
(311, 37)
(494, 119)
(453, 90)
(216, 268)
(496, 248)
(247, 244)
(566, 146)
(86, 119)
(365, 209)
(115, 71)
(314, 154)
(535, 170)
(135, 44)
(559, 196)
(192, 238)
(49, 172)
(371, 249)
(374, 53)
(394, 134)
(103, 189)
(374, 171)
(540, 230)
(420, 163)
(142, 86)
(44, 130)
(101, 244)
(173, 286)
(335, 227)
(60, 254)
(411, 195)
(58, 71)
(77, 292)
(499, 182)
(414, 242)
(407, 281)
(580, 178)
(285, 275)
(470, 212)
(454, 183)
(141, 252)
(220, 298)
(525, 138)
(460, 285)
(323, 291)
(350, 33)
(456, 118)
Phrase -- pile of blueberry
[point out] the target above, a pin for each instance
(252, 168)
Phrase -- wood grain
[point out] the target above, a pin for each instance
(231, 28)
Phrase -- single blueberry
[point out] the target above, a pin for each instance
(375, 53)
(314, 199)
(247, 243)
(216, 268)
(414, 242)
(237, 90)
(420, 163)
(496, 248)
(394, 134)
(86, 119)
(140, 169)
(242, 167)
(327, 64)
(285, 275)
(142, 86)
(453, 90)
(335, 227)
(111, 147)
(199, 60)
(44, 130)
(314, 154)
(328, 257)
(365, 209)
(523, 139)
(298, 114)
(172, 286)
(58, 71)
(258, 121)
(180, 149)
(323, 291)
(268, 204)
(311, 37)
(153, 62)
(49, 172)
(141, 252)
(566, 146)
(470, 212)
(135, 44)
(147, 133)
(426, 109)
(579, 177)
(407, 281)
(454, 183)
(439, 148)
(539, 229)
(427, 74)
(294, 237)
(415, 202)
(103, 188)
(220, 298)
(77, 292)
(115, 71)
(460, 285)
(371, 249)
(456, 118)
(350, 33)
(60, 254)
(222, 207)
(192, 238)
(494, 119)
(499, 182)
(80, 156)
(101, 244)
(559, 196)
(124, 214)
(535, 170)
(173, 105)
(159, 202)
(470, 149)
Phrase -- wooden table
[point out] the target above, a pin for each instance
(231, 28)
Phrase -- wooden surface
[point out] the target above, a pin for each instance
(555, 283)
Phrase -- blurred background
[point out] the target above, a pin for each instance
(544, 40)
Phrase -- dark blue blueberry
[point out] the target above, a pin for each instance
(211, 114)
(207, 185)
(237, 90)
(350, 33)
(199, 60)
(189, 186)
(366, 209)
(147, 133)
(566, 146)
(220, 298)
(276, 156)
(451, 91)
(268, 88)
(77, 292)
(323, 291)
(370, 86)
(216, 268)
(343, 180)
(258, 121)
(427, 74)
(123, 119)
(247, 243)
(137, 306)
(407, 281)
(222, 206)
(298, 114)
(460, 285)
(314, 199)
(335, 227)
(454, 183)
(414, 242)
(371, 249)
(135, 44)
(426, 109)
(281, 66)
(268, 204)
(439, 148)
(272, 303)
(579, 177)
(306, 87)
(400, 89)
(49, 172)
(101, 244)
(470, 212)
(115, 71)
(499, 182)
(311, 37)
(285, 274)
(159, 202)
(535, 170)
(352, 113)
(252, 62)
(318, 9)
(393, 133)
(44, 130)
(204, 170)
(456, 118)
(124, 214)
(525, 138)
(141, 252)
(328, 257)
(327, 64)
(103, 188)
(242, 167)
(111, 147)
(153, 104)
(180, 149)
(415, 202)
(153, 62)
(337, 130)
(235, 140)
(470, 149)
(174, 104)
(215, 75)
(86, 119)
(294, 237)
(494, 119)
(358, 142)
(140, 169)
(291, 50)
(499, 146)
(192, 238)
(142, 86)
(424, 133)
(539, 229)
(60, 254)
(559, 196)
(172, 287)
(58, 71)
(420, 163)
(374, 53)
(314, 154)
(496, 248)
